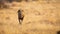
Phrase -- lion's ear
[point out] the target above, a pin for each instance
(22, 10)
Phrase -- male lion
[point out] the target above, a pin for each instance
(20, 16)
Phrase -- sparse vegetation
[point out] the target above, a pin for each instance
(38, 18)
(3, 4)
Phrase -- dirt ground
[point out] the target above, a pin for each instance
(40, 17)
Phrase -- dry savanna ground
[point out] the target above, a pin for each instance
(40, 17)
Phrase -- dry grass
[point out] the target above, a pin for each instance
(40, 18)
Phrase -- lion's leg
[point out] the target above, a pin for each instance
(19, 21)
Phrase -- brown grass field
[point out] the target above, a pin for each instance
(40, 17)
